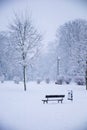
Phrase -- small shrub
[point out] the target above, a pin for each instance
(47, 80)
(80, 80)
(2, 78)
(16, 79)
(38, 81)
(67, 80)
(60, 80)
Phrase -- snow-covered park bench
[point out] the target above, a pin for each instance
(58, 98)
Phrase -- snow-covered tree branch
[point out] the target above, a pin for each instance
(73, 47)
(26, 40)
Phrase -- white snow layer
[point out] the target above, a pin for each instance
(21, 110)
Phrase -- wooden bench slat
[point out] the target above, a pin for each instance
(55, 95)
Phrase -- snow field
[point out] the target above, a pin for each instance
(21, 110)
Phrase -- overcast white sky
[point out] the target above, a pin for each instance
(47, 15)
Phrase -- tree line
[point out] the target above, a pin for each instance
(20, 50)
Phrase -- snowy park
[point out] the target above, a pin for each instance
(20, 110)
(43, 65)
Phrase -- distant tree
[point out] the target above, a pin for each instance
(26, 41)
(46, 63)
(72, 40)
(4, 54)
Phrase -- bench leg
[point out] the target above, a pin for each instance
(60, 101)
(45, 101)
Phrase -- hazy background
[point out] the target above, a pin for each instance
(47, 15)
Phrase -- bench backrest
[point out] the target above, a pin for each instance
(55, 96)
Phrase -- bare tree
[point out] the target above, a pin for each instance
(26, 41)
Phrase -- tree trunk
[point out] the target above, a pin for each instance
(24, 77)
(86, 75)
(86, 78)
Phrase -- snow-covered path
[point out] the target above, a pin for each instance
(21, 110)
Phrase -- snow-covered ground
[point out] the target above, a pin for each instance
(21, 110)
